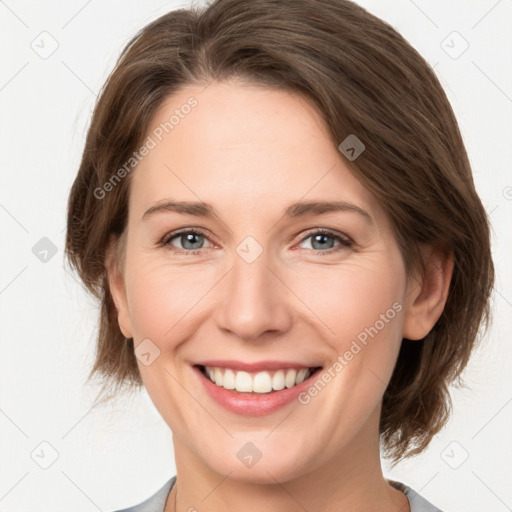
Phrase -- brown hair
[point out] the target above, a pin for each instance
(365, 79)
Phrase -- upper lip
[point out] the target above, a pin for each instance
(255, 366)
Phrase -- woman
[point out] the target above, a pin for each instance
(229, 144)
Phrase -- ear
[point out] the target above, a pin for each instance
(117, 286)
(426, 295)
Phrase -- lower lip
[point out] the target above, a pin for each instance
(252, 404)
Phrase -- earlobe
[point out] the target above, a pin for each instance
(117, 288)
(427, 296)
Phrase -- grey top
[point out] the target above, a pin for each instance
(156, 503)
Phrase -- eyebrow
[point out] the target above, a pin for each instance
(295, 210)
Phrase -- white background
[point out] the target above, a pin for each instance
(114, 454)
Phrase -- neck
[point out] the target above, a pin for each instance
(351, 479)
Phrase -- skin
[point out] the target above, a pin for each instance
(250, 152)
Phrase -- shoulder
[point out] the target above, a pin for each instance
(154, 503)
(418, 503)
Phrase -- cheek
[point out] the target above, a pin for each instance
(164, 298)
(344, 301)
(359, 309)
(355, 298)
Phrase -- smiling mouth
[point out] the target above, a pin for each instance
(257, 382)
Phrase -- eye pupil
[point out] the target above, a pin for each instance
(320, 237)
(189, 237)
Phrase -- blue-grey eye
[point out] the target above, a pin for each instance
(191, 240)
(324, 240)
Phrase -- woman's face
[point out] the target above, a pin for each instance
(253, 284)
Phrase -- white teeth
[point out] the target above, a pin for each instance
(261, 382)
(229, 379)
(218, 375)
(290, 378)
(278, 380)
(302, 375)
(243, 382)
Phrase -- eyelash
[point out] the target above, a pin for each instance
(345, 242)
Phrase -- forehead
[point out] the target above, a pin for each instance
(242, 145)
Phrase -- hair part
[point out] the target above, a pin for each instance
(365, 79)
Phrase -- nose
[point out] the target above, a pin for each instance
(256, 301)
